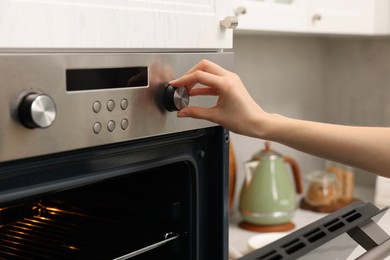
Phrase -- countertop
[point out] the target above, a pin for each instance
(238, 238)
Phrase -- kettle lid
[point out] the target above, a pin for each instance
(266, 152)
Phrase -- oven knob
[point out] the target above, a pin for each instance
(176, 99)
(37, 111)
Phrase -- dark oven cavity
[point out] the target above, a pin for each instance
(155, 198)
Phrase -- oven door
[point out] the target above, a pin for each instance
(162, 197)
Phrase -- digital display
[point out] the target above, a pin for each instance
(94, 79)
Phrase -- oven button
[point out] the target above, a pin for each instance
(124, 124)
(111, 125)
(124, 104)
(97, 127)
(176, 99)
(110, 105)
(37, 111)
(96, 106)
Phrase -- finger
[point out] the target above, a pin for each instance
(208, 66)
(203, 92)
(198, 76)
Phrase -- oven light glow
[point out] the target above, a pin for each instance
(72, 248)
(20, 233)
(53, 209)
(23, 228)
(12, 241)
(40, 218)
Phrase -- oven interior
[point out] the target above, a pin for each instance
(108, 219)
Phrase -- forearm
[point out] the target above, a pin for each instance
(367, 148)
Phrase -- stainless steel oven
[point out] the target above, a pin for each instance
(94, 165)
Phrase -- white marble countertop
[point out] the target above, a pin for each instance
(238, 238)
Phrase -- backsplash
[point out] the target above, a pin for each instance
(335, 80)
(357, 85)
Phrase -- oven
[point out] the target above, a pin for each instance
(94, 163)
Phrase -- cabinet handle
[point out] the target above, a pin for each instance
(240, 10)
(316, 17)
(230, 22)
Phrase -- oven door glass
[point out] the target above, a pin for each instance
(142, 215)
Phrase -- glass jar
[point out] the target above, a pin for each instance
(322, 189)
(345, 179)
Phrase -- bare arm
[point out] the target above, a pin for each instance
(367, 148)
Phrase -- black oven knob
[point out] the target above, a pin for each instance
(176, 99)
(37, 111)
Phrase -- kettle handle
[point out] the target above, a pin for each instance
(296, 173)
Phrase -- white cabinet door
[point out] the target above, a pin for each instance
(362, 17)
(272, 15)
(155, 24)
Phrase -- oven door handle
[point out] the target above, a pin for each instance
(168, 237)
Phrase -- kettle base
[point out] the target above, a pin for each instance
(266, 228)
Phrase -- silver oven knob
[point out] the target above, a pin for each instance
(176, 99)
(37, 111)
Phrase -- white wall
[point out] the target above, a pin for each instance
(337, 80)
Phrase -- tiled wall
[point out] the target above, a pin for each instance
(357, 85)
(358, 81)
(337, 80)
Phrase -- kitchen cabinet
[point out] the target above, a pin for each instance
(360, 17)
(354, 17)
(154, 24)
(272, 15)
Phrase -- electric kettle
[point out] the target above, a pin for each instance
(268, 196)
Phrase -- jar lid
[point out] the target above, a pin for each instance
(323, 177)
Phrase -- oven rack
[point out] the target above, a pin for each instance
(54, 233)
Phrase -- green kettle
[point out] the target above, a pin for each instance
(268, 196)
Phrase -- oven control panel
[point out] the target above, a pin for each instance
(53, 102)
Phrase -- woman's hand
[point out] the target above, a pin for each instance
(235, 109)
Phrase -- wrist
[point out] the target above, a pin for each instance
(268, 126)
